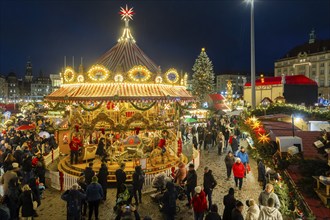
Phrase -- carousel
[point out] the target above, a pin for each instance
(125, 101)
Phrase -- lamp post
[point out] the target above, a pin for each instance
(253, 68)
(292, 117)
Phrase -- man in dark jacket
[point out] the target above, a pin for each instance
(209, 184)
(103, 179)
(237, 211)
(213, 214)
(229, 202)
(191, 179)
(169, 201)
(74, 199)
(120, 177)
(89, 173)
(234, 145)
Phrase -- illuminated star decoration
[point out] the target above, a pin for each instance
(263, 138)
(46, 105)
(126, 13)
(256, 125)
(68, 108)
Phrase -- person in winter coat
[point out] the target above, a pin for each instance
(180, 173)
(169, 201)
(94, 194)
(74, 199)
(120, 177)
(237, 211)
(103, 179)
(220, 142)
(191, 179)
(269, 212)
(138, 181)
(199, 203)
(262, 174)
(239, 171)
(213, 214)
(12, 199)
(26, 202)
(4, 210)
(244, 158)
(75, 145)
(89, 173)
(229, 202)
(269, 193)
(208, 141)
(234, 144)
(253, 210)
(229, 161)
(7, 176)
(226, 134)
(83, 187)
(100, 151)
(209, 184)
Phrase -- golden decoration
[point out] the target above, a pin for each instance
(139, 74)
(172, 75)
(263, 138)
(69, 75)
(98, 73)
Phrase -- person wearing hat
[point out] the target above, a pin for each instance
(239, 171)
(74, 199)
(199, 203)
(94, 194)
(191, 182)
(253, 210)
(244, 158)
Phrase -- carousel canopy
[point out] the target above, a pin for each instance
(123, 73)
(118, 92)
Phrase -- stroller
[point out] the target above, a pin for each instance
(124, 198)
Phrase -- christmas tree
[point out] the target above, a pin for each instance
(203, 76)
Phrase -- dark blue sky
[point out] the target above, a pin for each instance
(171, 33)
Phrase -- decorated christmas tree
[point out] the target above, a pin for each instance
(203, 76)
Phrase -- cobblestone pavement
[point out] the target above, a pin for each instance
(54, 208)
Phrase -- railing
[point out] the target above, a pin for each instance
(63, 181)
(52, 156)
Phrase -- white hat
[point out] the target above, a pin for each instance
(15, 165)
(238, 159)
(198, 189)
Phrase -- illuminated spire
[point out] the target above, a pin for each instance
(126, 15)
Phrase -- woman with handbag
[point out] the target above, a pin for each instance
(28, 202)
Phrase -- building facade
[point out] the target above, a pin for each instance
(237, 80)
(55, 81)
(311, 59)
(40, 87)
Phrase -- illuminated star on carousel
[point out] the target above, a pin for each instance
(263, 138)
(126, 13)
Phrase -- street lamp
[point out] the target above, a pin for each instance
(253, 68)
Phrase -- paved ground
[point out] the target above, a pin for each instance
(54, 208)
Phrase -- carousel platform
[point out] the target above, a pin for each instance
(76, 169)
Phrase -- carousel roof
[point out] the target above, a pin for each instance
(119, 92)
(124, 72)
(125, 55)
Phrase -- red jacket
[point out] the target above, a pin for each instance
(199, 202)
(238, 170)
(75, 144)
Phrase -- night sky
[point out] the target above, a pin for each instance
(171, 33)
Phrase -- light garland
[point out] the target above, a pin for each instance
(69, 75)
(172, 75)
(93, 73)
(136, 71)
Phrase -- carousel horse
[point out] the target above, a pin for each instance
(157, 156)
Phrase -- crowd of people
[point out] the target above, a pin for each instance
(23, 167)
(23, 179)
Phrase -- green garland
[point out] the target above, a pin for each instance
(143, 109)
(90, 109)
